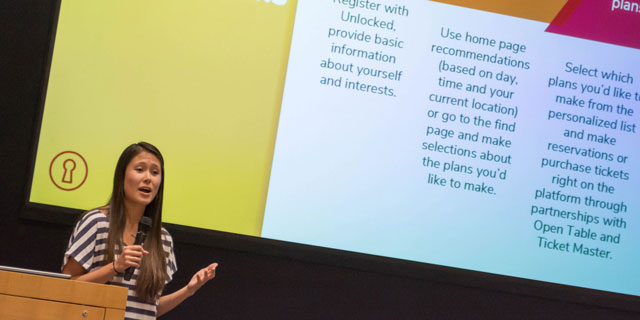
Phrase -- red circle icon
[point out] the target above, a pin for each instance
(68, 170)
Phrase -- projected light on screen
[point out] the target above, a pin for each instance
(460, 133)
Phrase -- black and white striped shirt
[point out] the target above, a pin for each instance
(88, 246)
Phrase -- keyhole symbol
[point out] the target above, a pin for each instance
(68, 165)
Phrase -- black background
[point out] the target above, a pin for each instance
(257, 278)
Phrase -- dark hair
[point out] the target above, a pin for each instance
(153, 269)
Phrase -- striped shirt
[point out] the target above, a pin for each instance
(88, 246)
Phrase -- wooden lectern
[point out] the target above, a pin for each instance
(33, 297)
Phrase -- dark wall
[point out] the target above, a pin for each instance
(256, 278)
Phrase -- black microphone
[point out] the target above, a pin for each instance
(143, 227)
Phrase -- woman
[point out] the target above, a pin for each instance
(102, 245)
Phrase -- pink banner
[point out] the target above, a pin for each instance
(611, 21)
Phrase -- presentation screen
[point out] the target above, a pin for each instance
(494, 136)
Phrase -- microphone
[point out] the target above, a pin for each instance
(143, 227)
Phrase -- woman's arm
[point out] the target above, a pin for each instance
(131, 257)
(170, 301)
(77, 272)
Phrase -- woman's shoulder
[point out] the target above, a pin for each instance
(93, 218)
(96, 214)
(166, 236)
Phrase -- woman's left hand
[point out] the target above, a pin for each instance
(201, 277)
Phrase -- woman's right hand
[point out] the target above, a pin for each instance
(131, 256)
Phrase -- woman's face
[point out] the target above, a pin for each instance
(142, 179)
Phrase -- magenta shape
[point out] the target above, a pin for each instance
(594, 20)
